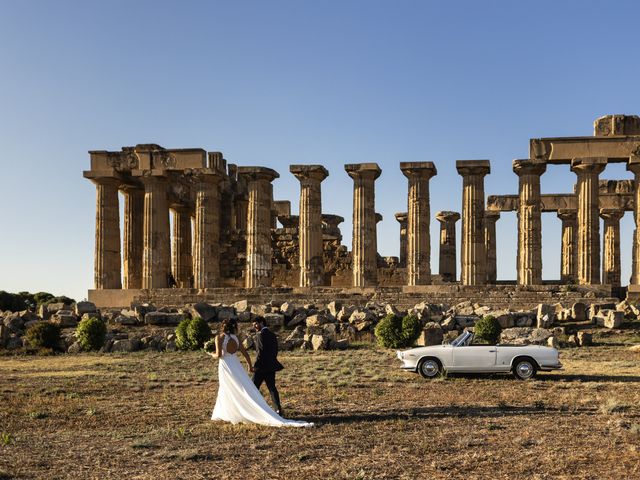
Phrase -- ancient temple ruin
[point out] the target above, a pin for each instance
(229, 234)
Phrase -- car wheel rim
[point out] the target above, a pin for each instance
(525, 369)
(430, 368)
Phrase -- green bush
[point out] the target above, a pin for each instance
(488, 329)
(192, 333)
(43, 335)
(91, 333)
(396, 332)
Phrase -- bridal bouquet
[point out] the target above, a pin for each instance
(210, 346)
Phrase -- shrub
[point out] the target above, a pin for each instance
(43, 335)
(91, 333)
(192, 333)
(396, 332)
(488, 329)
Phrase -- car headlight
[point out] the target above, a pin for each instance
(399, 354)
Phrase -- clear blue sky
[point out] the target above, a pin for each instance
(281, 82)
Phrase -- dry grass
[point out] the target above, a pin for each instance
(146, 415)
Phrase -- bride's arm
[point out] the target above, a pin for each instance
(245, 355)
(218, 353)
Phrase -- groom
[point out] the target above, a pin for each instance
(267, 364)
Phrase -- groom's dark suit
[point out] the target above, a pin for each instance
(267, 364)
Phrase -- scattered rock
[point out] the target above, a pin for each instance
(432, 334)
(274, 319)
(241, 306)
(584, 339)
(162, 318)
(85, 307)
(317, 320)
(298, 319)
(204, 311)
(545, 315)
(579, 312)
(128, 345)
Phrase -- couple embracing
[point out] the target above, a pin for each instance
(239, 398)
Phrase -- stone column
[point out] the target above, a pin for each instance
(529, 221)
(258, 268)
(156, 256)
(490, 219)
(634, 166)
(401, 217)
(107, 250)
(634, 259)
(206, 244)
(133, 233)
(310, 223)
(473, 257)
(587, 170)
(569, 252)
(182, 260)
(364, 254)
(447, 268)
(418, 221)
(611, 267)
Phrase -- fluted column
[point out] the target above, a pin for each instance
(490, 219)
(473, 249)
(418, 221)
(401, 217)
(258, 268)
(587, 170)
(133, 236)
(569, 252)
(364, 255)
(182, 259)
(611, 267)
(310, 223)
(634, 166)
(529, 221)
(107, 250)
(156, 256)
(206, 242)
(447, 264)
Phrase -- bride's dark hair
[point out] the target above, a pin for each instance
(230, 326)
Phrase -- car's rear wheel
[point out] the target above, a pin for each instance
(430, 368)
(524, 369)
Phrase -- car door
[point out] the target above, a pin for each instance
(474, 358)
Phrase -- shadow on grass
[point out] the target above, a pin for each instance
(555, 377)
(442, 412)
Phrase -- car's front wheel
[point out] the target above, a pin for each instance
(430, 368)
(524, 369)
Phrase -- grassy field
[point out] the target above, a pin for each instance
(146, 415)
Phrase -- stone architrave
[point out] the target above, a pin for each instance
(182, 259)
(258, 271)
(529, 221)
(634, 166)
(588, 169)
(447, 267)
(206, 248)
(133, 237)
(401, 217)
(611, 267)
(364, 255)
(569, 251)
(473, 256)
(107, 270)
(418, 221)
(490, 219)
(156, 256)
(310, 223)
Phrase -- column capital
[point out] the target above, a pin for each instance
(418, 169)
(447, 216)
(332, 220)
(588, 164)
(356, 170)
(567, 214)
(491, 215)
(529, 167)
(258, 173)
(611, 213)
(379, 217)
(304, 172)
(634, 164)
(100, 178)
(473, 167)
(402, 217)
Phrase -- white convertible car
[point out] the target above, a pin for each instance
(462, 355)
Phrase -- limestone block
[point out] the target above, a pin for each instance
(553, 342)
(260, 310)
(334, 308)
(432, 334)
(224, 312)
(204, 311)
(363, 326)
(84, 307)
(288, 309)
(525, 336)
(65, 319)
(128, 345)
(317, 320)
(449, 323)
(464, 321)
(579, 312)
(245, 317)
(241, 306)
(362, 315)
(609, 318)
(545, 315)
(125, 320)
(584, 339)
(505, 318)
(524, 321)
(163, 318)
(74, 348)
(341, 344)
(319, 342)
(274, 319)
(464, 308)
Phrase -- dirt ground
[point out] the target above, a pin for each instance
(146, 415)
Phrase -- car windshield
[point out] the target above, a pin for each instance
(463, 339)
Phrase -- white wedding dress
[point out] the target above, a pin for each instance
(239, 401)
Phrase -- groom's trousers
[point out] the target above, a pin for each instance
(269, 378)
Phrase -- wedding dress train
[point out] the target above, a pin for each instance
(239, 401)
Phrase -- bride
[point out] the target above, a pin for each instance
(239, 401)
